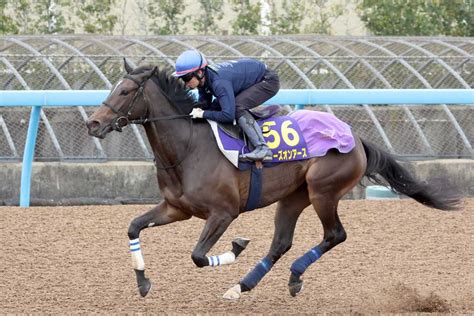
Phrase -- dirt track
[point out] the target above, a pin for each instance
(399, 257)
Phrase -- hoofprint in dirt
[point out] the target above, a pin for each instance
(399, 257)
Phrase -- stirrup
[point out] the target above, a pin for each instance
(251, 156)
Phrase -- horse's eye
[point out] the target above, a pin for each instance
(124, 92)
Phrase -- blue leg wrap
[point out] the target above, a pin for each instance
(302, 263)
(253, 277)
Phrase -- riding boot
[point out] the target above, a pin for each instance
(254, 133)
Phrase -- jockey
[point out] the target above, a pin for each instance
(237, 86)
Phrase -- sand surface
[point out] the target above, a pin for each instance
(399, 257)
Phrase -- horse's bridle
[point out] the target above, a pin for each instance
(121, 116)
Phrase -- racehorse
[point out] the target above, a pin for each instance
(196, 180)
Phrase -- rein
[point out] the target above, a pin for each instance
(117, 126)
(162, 118)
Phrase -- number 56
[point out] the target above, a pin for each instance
(289, 135)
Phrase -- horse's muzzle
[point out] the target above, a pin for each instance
(97, 130)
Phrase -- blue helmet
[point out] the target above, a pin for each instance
(189, 61)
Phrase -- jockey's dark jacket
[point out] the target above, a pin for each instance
(225, 81)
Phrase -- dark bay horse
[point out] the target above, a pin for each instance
(196, 180)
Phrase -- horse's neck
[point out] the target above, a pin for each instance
(168, 139)
(176, 142)
(177, 145)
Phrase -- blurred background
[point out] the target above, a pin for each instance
(238, 17)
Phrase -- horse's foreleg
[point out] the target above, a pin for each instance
(334, 233)
(238, 245)
(215, 226)
(162, 214)
(287, 213)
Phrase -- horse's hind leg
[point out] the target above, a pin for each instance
(328, 180)
(287, 213)
(334, 233)
(162, 214)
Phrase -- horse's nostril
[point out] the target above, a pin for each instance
(92, 125)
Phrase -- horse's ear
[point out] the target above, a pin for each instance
(150, 73)
(128, 69)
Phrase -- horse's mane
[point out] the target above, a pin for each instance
(181, 98)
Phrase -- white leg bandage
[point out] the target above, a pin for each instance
(136, 252)
(226, 258)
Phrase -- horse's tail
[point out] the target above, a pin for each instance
(400, 180)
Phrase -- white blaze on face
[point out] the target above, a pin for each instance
(116, 86)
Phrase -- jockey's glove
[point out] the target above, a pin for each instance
(196, 113)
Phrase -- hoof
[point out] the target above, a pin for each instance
(241, 241)
(295, 285)
(233, 293)
(239, 244)
(144, 288)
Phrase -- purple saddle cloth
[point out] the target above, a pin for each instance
(300, 135)
(324, 131)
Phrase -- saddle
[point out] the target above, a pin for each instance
(298, 135)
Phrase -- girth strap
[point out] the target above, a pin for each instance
(255, 188)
